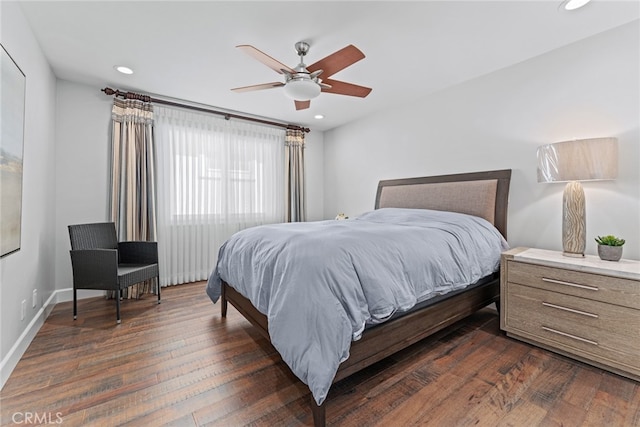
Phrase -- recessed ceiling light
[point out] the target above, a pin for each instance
(318, 117)
(123, 69)
(575, 4)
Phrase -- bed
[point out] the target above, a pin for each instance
(407, 208)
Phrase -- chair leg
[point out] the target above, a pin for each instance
(158, 286)
(118, 307)
(75, 304)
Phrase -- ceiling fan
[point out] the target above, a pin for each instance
(302, 83)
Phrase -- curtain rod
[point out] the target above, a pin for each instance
(227, 116)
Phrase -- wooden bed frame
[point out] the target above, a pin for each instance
(446, 192)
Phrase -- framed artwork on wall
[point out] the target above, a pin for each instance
(12, 104)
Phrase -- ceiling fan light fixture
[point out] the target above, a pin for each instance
(301, 89)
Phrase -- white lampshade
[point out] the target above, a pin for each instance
(301, 89)
(578, 160)
(573, 161)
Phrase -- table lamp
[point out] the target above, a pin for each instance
(572, 162)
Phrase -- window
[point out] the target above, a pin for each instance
(215, 177)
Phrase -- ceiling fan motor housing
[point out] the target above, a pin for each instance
(302, 48)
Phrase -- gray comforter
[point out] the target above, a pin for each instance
(320, 283)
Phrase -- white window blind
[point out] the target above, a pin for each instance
(215, 177)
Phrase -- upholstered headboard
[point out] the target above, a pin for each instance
(483, 194)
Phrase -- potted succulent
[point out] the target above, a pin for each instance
(610, 247)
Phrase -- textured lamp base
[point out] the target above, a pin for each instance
(574, 234)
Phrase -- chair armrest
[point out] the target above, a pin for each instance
(95, 268)
(138, 252)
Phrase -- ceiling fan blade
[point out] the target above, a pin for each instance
(258, 87)
(343, 88)
(337, 61)
(302, 105)
(270, 62)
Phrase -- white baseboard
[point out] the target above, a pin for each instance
(64, 295)
(8, 364)
(12, 358)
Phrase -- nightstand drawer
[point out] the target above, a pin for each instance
(607, 289)
(583, 326)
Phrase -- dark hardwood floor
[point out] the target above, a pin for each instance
(180, 364)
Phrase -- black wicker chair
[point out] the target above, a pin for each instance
(99, 261)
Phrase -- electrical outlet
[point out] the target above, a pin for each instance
(23, 309)
(34, 299)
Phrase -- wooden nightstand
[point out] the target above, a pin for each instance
(583, 308)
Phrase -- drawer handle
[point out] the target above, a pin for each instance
(569, 335)
(572, 310)
(575, 285)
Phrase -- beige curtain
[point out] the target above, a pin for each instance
(133, 195)
(294, 163)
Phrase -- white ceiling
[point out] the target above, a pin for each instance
(186, 50)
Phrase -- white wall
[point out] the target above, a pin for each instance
(587, 89)
(32, 267)
(82, 176)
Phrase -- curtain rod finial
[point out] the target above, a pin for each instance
(300, 128)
